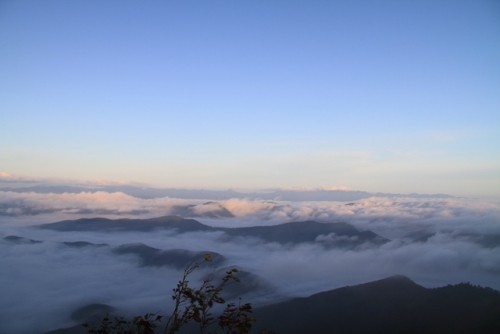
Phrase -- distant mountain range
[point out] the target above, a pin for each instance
(146, 192)
(327, 234)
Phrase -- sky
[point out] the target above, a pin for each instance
(393, 96)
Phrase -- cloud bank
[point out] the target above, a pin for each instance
(433, 240)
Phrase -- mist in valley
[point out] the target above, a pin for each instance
(52, 270)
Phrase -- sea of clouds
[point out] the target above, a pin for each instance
(433, 240)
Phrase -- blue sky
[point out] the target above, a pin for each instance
(393, 96)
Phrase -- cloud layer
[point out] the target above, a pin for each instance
(434, 241)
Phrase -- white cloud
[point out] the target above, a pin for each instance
(61, 278)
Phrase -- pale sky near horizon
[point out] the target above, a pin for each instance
(390, 96)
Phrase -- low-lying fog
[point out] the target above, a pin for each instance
(433, 240)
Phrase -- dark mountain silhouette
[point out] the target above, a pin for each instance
(327, 234)
(91, 311)
(419, 236)
(154, 257)
(490, 240)
(392, 305)
(81, 244)
(209, 209)
(178, 258)
(20, 240)
(248, 282)
(110, 225)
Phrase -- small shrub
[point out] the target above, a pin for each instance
(191, 305)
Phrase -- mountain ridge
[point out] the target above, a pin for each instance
(328, 234)
(148, 192)
(392, 305)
